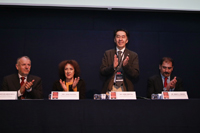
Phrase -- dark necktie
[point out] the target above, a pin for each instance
(119, 75)
(165, 83)
(22, 82)
(119, 57)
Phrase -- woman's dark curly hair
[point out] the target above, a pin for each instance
(62, 65)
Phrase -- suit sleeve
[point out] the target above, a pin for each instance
(106, 66)
(4, 85)
(179, 85)
(82, 88)
(150, 87)
(36, 92)
(132, 68)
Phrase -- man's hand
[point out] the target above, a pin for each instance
(76, 80)
(22, 89)
(28, 85)
(115, 63)
(62, 83)
(125, 62)
(171, 84)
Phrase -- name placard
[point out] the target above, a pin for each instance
(175, 95)
(128, 95)
(62, 95)
(8, 95)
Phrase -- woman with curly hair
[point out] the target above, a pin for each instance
(69, 73)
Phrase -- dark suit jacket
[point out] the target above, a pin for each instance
(155, 85)
(131, 70)
(12, 83)
(80, 88)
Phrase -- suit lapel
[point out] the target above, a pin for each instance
(29, 78)
(125, 53)
(113, 52)
(16, 81)
(160, 83)
(171, 77)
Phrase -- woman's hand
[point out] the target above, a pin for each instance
(76, 80)
(62, 83)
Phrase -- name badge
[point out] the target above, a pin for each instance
(56, 95)
(129, 95)
(119, 76)
(175, 95)
(8, 95)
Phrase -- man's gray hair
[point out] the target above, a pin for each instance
(22, 57)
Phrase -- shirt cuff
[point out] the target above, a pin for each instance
(19, 93)
(29, 90)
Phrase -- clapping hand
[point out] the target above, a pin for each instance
(62, 83)
(76, 80)
(125, 62)
(26, 86)
(115, 62)
(171, 84)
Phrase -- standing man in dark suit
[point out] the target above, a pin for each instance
(164, 81)
(27, 86)
(120, 65)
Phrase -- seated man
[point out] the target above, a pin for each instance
(27, 86)
(164, 81)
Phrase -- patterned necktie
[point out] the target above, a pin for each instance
(119, 56)
(165, 83)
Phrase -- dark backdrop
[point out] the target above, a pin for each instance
(50, 35)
